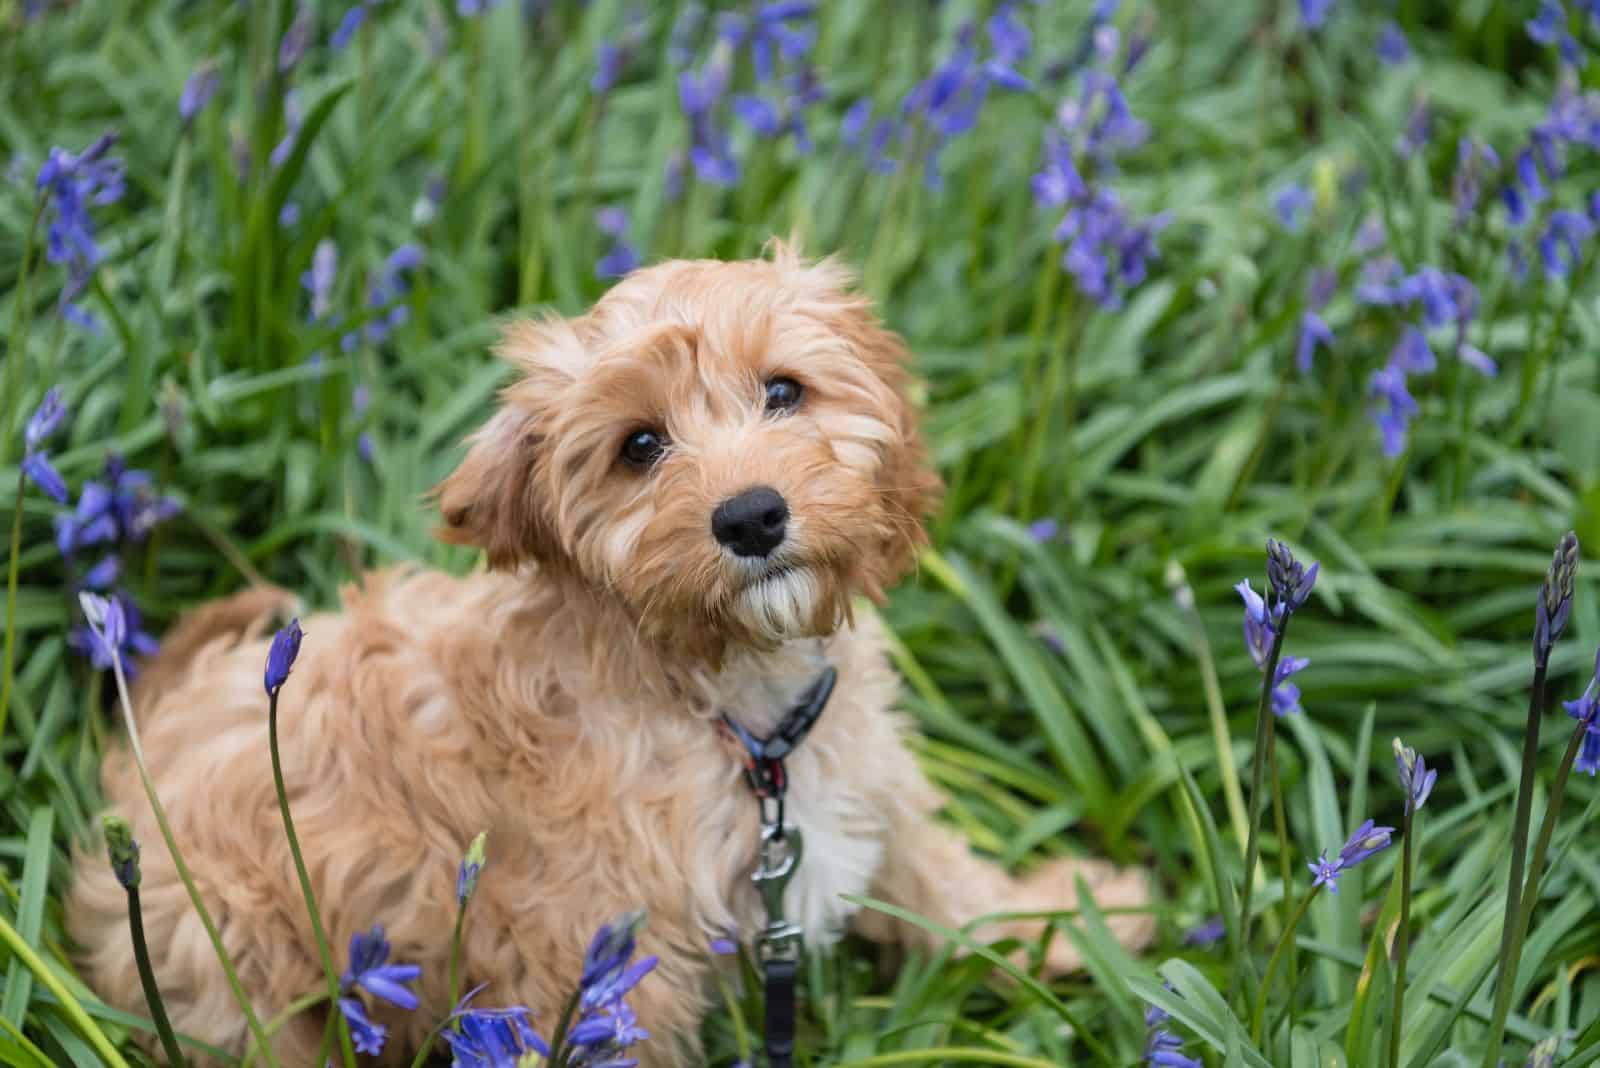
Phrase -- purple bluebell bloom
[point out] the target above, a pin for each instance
(1208, 933)
(1561, 244)
(369, 969)
(1162, 1048)
(42, 424)
(1367, 840)
(292, 118)
(1528, 177)
(1554, 604)
(113, 634)
(785, 27)
(73, 183)
(1416, 779)
(1474, 162)
(1313, 329)
(388, 287)
(1419, 124)
(103, 575)
(469, 9)
(491, 1038)
(1314, 13)
(1044, 530)
(1393, 48)
(1291, 204)
(345, 32)
(318, 280)
(1548, 24)
(1393, 407)
(1477, 359)
(1289, 581)
(1325, 872)
(365, 1035)
(198, 90)
(1516, 207)
(296, 39)
(289, 215)
(622, 257)
(280, 660)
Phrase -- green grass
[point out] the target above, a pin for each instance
(1169, 437)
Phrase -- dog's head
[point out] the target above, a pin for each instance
(725, 447)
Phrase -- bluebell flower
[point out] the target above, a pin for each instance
(73, 183)
(1289, 581)
(1314, 13)
(608, 64)
(1291, 203)
(36, 466)
(1411, 353)
(1393, 48)
(1162, 1048)
(1554, 604)
(116, 637)
(122, 850)
(1057, 182)
(1367, 840)
(345, 32)
(1285, 694)
(1313, 329)
(289, 215)
(724, 947)
(700, 96)
(369, 968)
(785, 28)
(296, 39)
(1260, 626)
(103, 575)
(1474, 162)
(1477, 359)
(1393, 407)
(1548, 23)
(293, 116)
(1416, 779)
(1517, 262)
(685, 29)
(1561, 244)
(1208, 933)
(319, 278)
(1370, 236)
(491, 1038)
(608, 1032)
(622, 256)
(471, 867)
(469, 9)
(365, 1035)
(1419, 123)
(1516, 207)
(1044, 530)
(1528, 177)
(1325, 872)
(198, 90)
(280, 660)
(1009, 43)
(386, 289)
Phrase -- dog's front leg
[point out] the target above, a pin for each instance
(929, 869)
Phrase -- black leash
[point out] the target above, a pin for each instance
(779, 945)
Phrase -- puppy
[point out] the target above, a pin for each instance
(680, 498)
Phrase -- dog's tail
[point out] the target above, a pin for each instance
(233, 619)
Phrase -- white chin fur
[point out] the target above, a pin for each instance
(779, 607)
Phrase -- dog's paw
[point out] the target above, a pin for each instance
(1114, 889)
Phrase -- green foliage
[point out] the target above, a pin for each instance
(1070, 699)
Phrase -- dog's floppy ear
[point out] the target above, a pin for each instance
(492, 499)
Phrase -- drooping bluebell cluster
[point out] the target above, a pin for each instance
(1367, 840)
(72, 184)
(778, 38)
(1314, 329)
(1445, 300)
(622, 257)
(1586, 710)
(198, 90)
(42, 424)
(1292, 203)
(1162, 1048)
(1105, 249)
(1258, 635)
(1551, 26)
(1416, 778)
(607, 1026)
(1554, 604)
(371, 971)
(112, 632)
(285, 649)
(385, 291)
(345, 32)
(490, 1038)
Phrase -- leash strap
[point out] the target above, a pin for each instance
(780, 944)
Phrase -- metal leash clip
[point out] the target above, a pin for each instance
(781, 849)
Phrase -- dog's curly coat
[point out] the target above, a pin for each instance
(565, 700)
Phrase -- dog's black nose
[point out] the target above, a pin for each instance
(751, 524)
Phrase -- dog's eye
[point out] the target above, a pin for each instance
(783, 394)
(643, 448)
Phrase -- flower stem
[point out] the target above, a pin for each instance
(1505, 980)
(274, 1025)
(455, 987)
(147, 979)
(558, 1055)
(9, 670)
(321, 936)
(252, 1021)
(1258, 765)
(1279, 816)
(1272, 962)
(1404, 937)
(13, 940)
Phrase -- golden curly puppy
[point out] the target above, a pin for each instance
(679, 498)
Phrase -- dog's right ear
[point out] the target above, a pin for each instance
(493, 500)
(489, 500)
